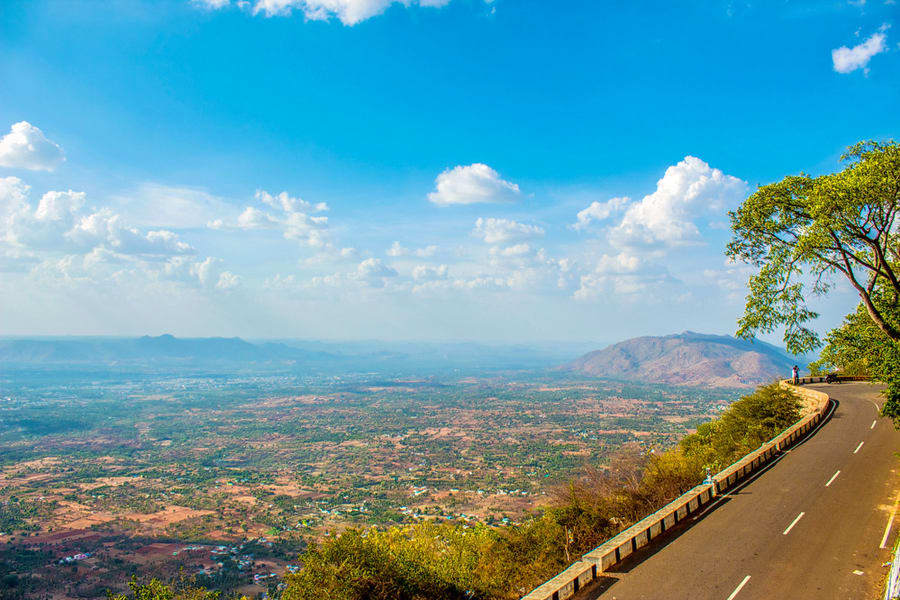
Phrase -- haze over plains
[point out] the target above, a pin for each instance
(463, 169)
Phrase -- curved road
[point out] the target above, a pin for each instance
(817, 524)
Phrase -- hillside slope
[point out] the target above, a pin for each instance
(688, 358)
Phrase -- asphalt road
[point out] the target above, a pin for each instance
(817, 524)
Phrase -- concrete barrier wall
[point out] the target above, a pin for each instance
(592, 564)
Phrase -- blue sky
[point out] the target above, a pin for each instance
(432, 169)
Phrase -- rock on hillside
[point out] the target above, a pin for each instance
(688, 359)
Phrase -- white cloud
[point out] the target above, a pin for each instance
(61, 244)
(374, 272)
(621, 274)
(617, 264)
(427, 273)
(397, 250)
(227, 281)
(300, 226)
(373, 267)
(515, 250)
(732, 278)
(253, 218)
(104, 228)
(13, 195)
(14, 208)
(688, 191)
(16, 260)
(44, 227)
(206, 273)
(55, 206)
(288, 203)
(291, 215)
(349, 12)
(211, 4)
(178, 207)
(599, 211)
(26, 147)
(60, 222)
(504, 231)
(472, 184)
(847, 60)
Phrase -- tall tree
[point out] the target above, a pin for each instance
(803, 231)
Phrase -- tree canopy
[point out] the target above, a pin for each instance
(803, 231)
(859, 347)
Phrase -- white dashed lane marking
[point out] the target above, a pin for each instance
(739, 588)
(794, 522)
(858, 447)
(833, 477)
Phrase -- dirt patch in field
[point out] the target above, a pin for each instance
(107, 481)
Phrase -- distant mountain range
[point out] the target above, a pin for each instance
(235, 354)
(688, 358)
(162, 348)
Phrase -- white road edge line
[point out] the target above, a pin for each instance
(858, 447)
(833, 477)
(873, 424)
(739, 588)
(887, 530)
(791, 526)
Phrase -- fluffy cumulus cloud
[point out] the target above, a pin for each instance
(288, 203)
(254, 218)
(621, 274)
(374, 272)
(61, 222)
(62, 240)
(688, 191)
(428, 273)
(514, 250)
(472, 184)
(397, 250)
(26, 147)
(505, 231)
(597, 212)
(847, 60)
(294, 217)
(349, 12)
(206, 273)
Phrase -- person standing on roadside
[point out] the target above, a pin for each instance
(795, 375)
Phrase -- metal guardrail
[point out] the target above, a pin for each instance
(892, 589)
(582, 572)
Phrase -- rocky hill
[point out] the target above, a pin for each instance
(688, 359)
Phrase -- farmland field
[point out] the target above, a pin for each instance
(225, 478)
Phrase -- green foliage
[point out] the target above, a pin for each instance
(156, 590)
(804, 229)
(402, 563)
(860, 348)
(745, 426)
(16, 515)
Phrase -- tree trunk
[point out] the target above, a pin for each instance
(876, 317)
